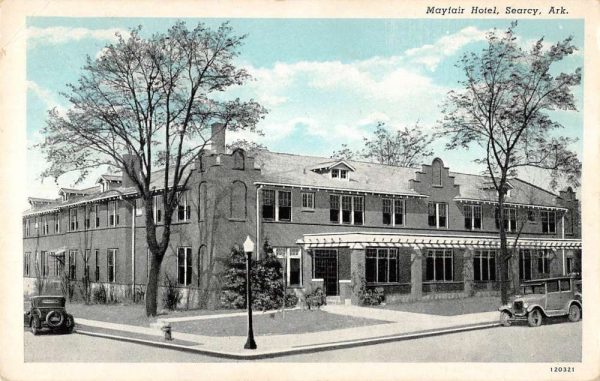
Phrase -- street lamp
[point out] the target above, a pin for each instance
(249, 249)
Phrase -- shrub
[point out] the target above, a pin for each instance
(315, 299)
(366, 296)
(267, 281)
(99, 294)
(291, 300)
(172, 295)
(67, 286)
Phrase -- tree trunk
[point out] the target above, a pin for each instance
(152, 286)
(504, 257)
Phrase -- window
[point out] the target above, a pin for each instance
(238, 160)
(157, 209)
(238, 201)
(111, 273)
(525, 264)
(86, 263)
(184, 266)
(59, 264)
(334, 208)
(27, 227)
(73, 223)
(335, 173)
(27, 263)
(543, 262)
(343, 174)
(284, 206)
(472, 217)
(565, 285)
(381, 265)
(277, 205)
(268, 208)
(439, 265)
(97, 215)
(510, 219)
(292, 264)
(113, 213)
(202, 200)
(552, 286)
(45, 227)
(86, 217)
(438, 212)
(57, 223)
(139, 207)
(570, 261)
(484, 265)
(531, 216)
(72, 264)
(183, 208)
(568, 221)
(352, 209)
(436, 172)
(43, 263)
(392, 212)
(308, 200)
(97, 265)
(548, 221)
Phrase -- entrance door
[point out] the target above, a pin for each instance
(326, 269)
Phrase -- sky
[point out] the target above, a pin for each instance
(325, 82)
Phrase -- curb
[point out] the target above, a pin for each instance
(311, 348)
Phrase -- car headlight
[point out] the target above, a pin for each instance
(525, 305)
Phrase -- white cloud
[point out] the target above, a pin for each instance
(60, 35)
(432, 54)
(45, 96)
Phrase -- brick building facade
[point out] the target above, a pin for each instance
(416, 232)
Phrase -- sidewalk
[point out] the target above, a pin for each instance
(401, 326)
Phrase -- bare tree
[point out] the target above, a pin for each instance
(146, 103)
(407, 147)
(247, 145)
(502, 107)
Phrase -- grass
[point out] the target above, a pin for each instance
(449, 307)
(295, 322)
(132, 314)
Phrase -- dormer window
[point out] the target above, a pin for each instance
(343, 174)
(337, 173)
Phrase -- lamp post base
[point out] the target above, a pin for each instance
(250, 344)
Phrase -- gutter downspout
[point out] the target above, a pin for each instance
(258, 243)
(562, 225)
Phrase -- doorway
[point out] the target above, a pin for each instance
(325, 267)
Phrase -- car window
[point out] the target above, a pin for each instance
(552, 286)
(565, 285)
(534, 289)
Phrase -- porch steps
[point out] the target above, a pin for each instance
(334, 299)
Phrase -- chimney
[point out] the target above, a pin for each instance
(218, 138)
(131, 161)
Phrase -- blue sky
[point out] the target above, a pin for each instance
(324, 81)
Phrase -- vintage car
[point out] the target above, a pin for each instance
(544, 298)
(48, 312)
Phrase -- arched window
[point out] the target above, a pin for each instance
(238, 159)
(202, 201)
(238, 200)
(436, 172)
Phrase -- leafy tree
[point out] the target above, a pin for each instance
(247, 145)
(503, 108)
(146, 103)
(407, 147)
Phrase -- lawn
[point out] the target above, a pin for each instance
(296, 321)
(133, 314)
(449, 307)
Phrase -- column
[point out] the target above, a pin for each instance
(468, 271)
(416, 273)
(357, 265)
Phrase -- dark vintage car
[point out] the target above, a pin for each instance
(48, 312)
(544, 298)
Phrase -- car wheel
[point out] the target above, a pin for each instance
(574, 313)
(535, 318)
(35, 324)
(505, 319)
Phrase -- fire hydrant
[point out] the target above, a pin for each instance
(167, 330)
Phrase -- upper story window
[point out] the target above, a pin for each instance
(308, 200)
(113, 213)
(57, 223)
(87, 215)
(237, 207)
(337, 173)
(568, 221)
(393, 211)
(73, 223)
(472, 217)
(238, 160)
(531, 216)
(436, 172)
(351, 212)
(548, 221)
(438, 214)
(277, 205)
(184, 210)
(184, 266)
(157, 208)
(27, 224)
(510, 219)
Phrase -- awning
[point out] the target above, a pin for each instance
(363, 240)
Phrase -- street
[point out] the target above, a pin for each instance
(559, 342)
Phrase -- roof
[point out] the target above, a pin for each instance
(109, 177)
(289, 169)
